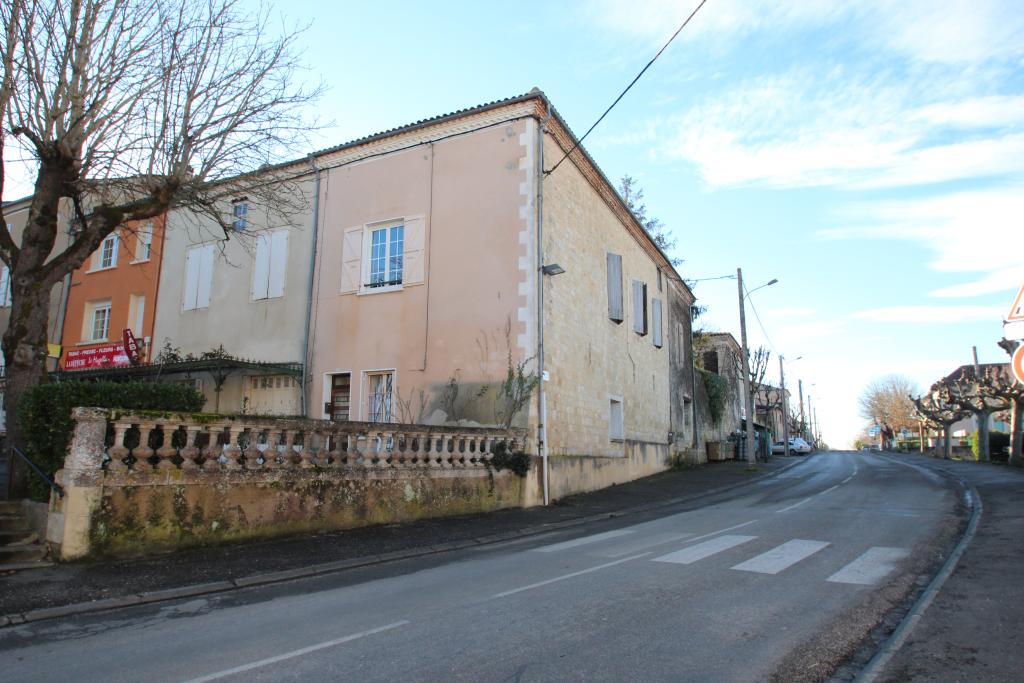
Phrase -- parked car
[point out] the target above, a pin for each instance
(797, 445)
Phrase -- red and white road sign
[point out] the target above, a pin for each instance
(1017, 310)
(1017, 363)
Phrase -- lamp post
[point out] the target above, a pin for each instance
(785, 403)
(751, 455)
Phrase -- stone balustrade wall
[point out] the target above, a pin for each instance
(142, 482)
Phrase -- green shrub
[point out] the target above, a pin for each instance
(998, 446)
(45, 415)
(504, 459)
(716, 387)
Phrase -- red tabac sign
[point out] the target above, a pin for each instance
(108, 356)
(131, 346)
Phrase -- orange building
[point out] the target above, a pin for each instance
(115, 289)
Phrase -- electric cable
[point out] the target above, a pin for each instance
(623, 93)
(758, 318)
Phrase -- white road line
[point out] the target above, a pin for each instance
(638, 544)
(693, 553)
(568, 576)
(781, 557)
(294, 653)
(871, 567)
(809, 498)
(720, 531)
(583, 541)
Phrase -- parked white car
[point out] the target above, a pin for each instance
(796, 445)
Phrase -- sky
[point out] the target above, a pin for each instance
(869, 155)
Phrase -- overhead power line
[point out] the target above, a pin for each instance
(623, 93)
(758, 318)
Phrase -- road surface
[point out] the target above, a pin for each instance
(777, 579)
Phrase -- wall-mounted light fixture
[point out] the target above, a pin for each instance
(552, 269)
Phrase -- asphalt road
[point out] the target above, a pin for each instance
(777, 580)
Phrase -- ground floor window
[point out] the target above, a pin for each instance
(616, 419)
(341, 393)
(379, 386)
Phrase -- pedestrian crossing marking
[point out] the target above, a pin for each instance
(708, 548)
(781, 557)
(632, 545)
(582, 541)
(871, 567)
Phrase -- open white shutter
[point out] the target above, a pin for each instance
(205, 276)
(5, 287)
(188, 300)
(351, 260)
(413, 254)
(656, 321)
(278, 263)
(261, 267)
(614, 273)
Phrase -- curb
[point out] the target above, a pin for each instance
(876, 665)
(163, 595)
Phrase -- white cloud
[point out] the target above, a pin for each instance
(790, 312)
(1004, 280)
(930, 314)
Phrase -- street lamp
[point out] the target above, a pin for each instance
(785, 403)
(751, 455)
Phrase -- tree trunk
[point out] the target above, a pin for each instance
(947, 447)
(24, 348)
(1017, 433)
(983, 445)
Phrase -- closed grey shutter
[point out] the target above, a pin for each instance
(615, 287)
(656, 321)
(639, 307)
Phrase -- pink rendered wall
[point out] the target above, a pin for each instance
(470, 191)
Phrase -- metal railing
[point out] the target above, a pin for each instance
(53, 485)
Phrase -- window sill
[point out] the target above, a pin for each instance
(379, 290)
(137, 261)
(100, 270)
(91, 342)
(265, 298)
(617, 440)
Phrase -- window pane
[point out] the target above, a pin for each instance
(378, 254)
(396, 248)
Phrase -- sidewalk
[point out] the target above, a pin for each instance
(83, 587)
(974, 628)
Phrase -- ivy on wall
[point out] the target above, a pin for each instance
(716, 387)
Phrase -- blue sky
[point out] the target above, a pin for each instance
(869, 155)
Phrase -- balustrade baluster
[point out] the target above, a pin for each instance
(252, 452)
(190, 452)
(272, 454)
(118, 452)
(142, 453)
(166, 452)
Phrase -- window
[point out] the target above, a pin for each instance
(136, 313)
(656, 322)
(5, 287)
(614, 274)
(383, 256)
(338, 408)
(270, 264)
(144, 243)
(198, 277)
(385, 259)
(97, 320)
(616, 419)
(379, 386)
(640, 307)
(240, 214)
(711, 361)
(106, 255)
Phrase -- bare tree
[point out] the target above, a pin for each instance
(633, 196)
(1015, 392)
(982, 393)
(126, 109)
(939, 408)
(886, 402)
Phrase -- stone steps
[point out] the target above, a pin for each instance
(20, 547)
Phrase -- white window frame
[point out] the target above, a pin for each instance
(365, 286)
(98, 256)
(5, 288)
(143, 244)
(364, 395)
(137, 314)
(92, 308)
(199, 250)
(353, 414)
(616, 418)
(240, 214)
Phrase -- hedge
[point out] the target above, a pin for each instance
(45, 415)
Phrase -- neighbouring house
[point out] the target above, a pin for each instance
(233, 304)
(16, 215)
(768, 406)
(720, 388)
(114, 290)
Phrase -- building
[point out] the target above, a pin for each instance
(720, 363)
(113, 291)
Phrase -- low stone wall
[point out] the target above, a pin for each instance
(172, 481)
(570, 474)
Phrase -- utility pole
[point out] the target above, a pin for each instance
(817, 425)
(803, 425)
(751, 445)
(810, 420)
(785, 407)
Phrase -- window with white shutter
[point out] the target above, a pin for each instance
(640, 307)
(198, 277)
(269, 266)
(656, 322)
(5, 287)
(614, 273)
